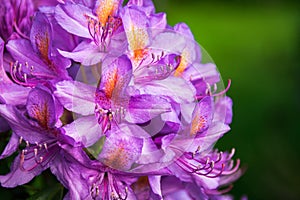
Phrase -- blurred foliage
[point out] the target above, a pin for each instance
(257, 45)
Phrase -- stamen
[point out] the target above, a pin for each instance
(197, 150)
(232, 153)
(22, 159)
(215, 95)
(218, 174)
(20, 140)
(100, 33)
(235, 169)
(97, 191)
(26, 76)
(219, 158)
(45, 146)
(35, 151)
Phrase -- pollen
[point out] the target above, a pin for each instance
(106, 9)
(198, 124)
(182, 65)
(137, 37)
(117, 158)
(139, 54)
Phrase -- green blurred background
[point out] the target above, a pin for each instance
(257, 45)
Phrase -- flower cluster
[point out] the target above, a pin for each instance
(117, 103)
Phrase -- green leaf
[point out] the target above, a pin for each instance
(51, 193)
(96, 148)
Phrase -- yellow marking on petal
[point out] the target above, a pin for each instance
(139, 54)
(183, 63)
(138, 38)
(198, 123)
(111, 83)
(105, 9)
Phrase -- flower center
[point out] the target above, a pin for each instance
(108, 187)
(102, 33)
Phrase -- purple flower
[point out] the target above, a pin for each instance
(201, 176)
(34, 61)
(90, 179)
(101, 26)
(37, 134)
(113, 101)
(144, 128)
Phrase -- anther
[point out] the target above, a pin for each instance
(219, 157)
(231, 153)
(41, 158)
(97, 191)
(20, 140)
(25, 77)
(45, 146)
(35, 151)
(20, 68)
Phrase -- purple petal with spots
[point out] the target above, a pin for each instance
(41, 108)
(114, 81)
(21, 125)
(41, 36)
(135, 25)
(202, 116)
(121, 149)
